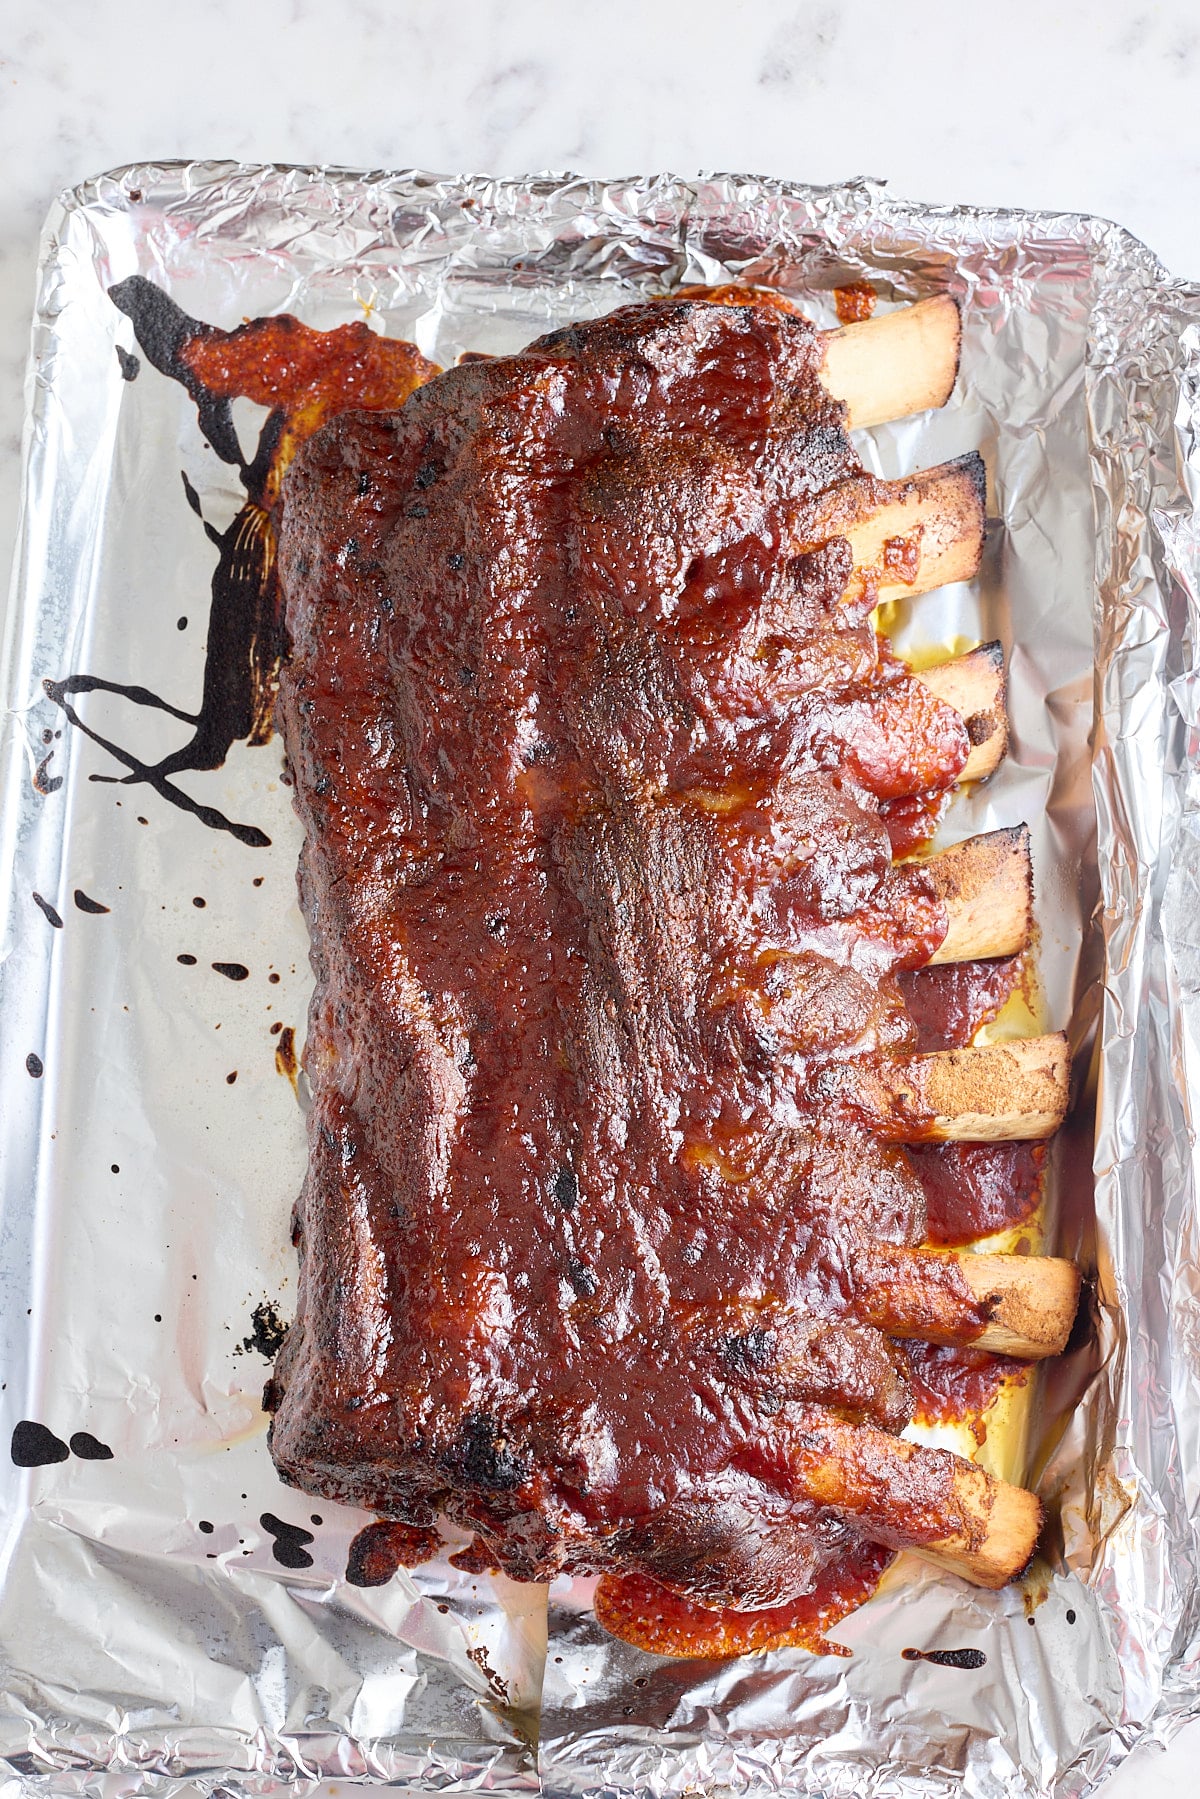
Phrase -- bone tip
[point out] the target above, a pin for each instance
(974, 468)
(947, 304)
(1031, 1302)
(953, 301)
(1011, 838)
(1014, 1524)
(1000, 1544)
(1069, 1280)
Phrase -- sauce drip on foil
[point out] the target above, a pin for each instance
(302, 376)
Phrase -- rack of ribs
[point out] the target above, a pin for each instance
(610, 1234)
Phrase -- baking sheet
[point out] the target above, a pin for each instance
(146, 1195)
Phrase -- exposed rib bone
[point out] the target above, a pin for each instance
(939, 1505)
(902, 362)
(996, 1092)
(924, 532)
(986, 885)
(1014, 1305)
(976, 687)
(991, 1093)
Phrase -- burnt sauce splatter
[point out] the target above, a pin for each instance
(48, 911)
(154, 775)
(233, 971)
(289, 1542)
(43, 781)
(285, 1054)
(87, 904)
(268, 1332)
(946, 1658)
(89, 1448)
(34, 1446)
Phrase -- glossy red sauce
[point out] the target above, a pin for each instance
(644, 1612)
(603, 908)
(854, 302)
(306, 376)
(731, 293)
(948, 1005)
(912, 822)
(956, 1384)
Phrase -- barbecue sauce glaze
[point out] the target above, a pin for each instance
(593, 744)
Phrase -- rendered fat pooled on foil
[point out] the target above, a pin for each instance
(140, 1650)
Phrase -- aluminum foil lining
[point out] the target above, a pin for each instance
(150, 1636)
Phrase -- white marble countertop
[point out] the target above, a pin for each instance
(1082, 106)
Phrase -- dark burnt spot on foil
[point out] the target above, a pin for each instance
(190, 494)
(233, 971)
(129, 364)
(206, 1526)
(86, 903)
(35, 1066)
(48, 911)
(288, 1546)
(946, 1658)
(43, 781)
(199, 901)
(34, 1446)
(286, 1062)
(1070, 1616)
(267, 1330)
(499, 1687)
(89, 1448)
(188, 961)
(155, 775)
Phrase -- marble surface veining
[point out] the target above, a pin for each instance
(1084, 106)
